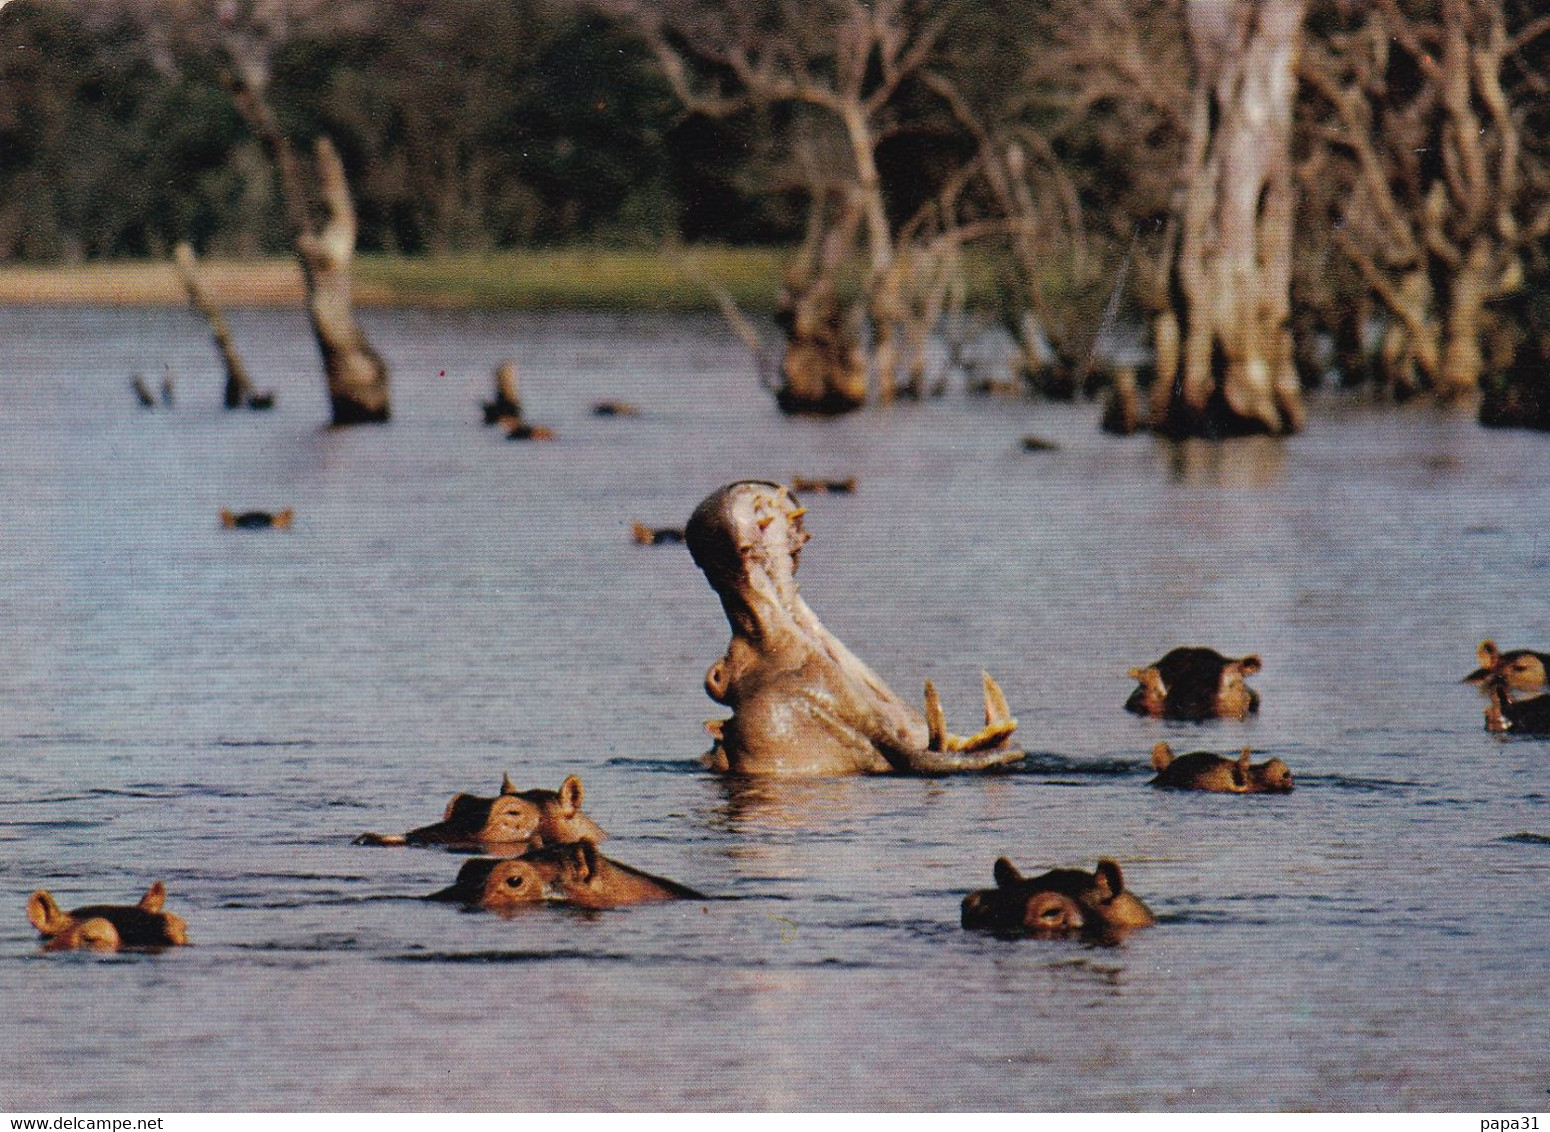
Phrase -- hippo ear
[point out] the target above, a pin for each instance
(44, 914)
(452, 805)
(570, 796)
(1240, 769)
(585, 859)
(1488, 655)
(1006, 873)
(507, 786)
(1249, 664)
(155, 898)
(1108, 880)
(1162, 756)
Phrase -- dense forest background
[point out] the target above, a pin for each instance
(465, 125)
(1285, 192)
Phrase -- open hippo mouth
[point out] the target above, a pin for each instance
(802, 703)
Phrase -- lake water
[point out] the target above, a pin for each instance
(225, 710)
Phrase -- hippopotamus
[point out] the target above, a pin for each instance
(513, 820)
(1202, 770)
(1195, 684)
(1059, 903)
(802, 703)
(576, 874)
(1523, 717)
(257, 520)
(655, 536)
(108, 927)
(1522, 670)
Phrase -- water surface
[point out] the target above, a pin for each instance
(225, 710)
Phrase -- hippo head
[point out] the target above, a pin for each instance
(108, 927)
(747, 539)
(1151, 695)
(513, 819)
(1269, 777)
(501, 884)
(1518, 669)
(1059, 903)
(576, 873)
(1043, 914)
(802, 702)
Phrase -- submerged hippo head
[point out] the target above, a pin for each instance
(576, 874)
(1519, 669)
(108, 927)
(1059, 903)
(500, 884)
(1195, 684)
(802, 703)
(1201, 770)
(513, 819)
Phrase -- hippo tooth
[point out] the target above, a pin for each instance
(714, 727)
(996, 709)
(765, 522)
(991, 735)
(936, 722)
(797, 514)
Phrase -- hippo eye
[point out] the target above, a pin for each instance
(513, 882)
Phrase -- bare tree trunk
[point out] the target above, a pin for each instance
(1230, 282)
(824, 370)
(239, 389)
(356, 375)
(1463, 359)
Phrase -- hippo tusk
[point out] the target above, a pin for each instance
(999, 723)
(936, 722)
(996, 709)
(797, 514)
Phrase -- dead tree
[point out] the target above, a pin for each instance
(846, 62)
(823, 370)
(239, 388)
(356, 375)
(1445, 192)
(1224, 359)
(1111, 81)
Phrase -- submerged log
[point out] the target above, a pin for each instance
(505, 405)
(239, 388)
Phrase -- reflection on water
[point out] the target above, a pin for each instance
(227, 710)
(1251, 461)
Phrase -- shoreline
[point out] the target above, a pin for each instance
(669, 279)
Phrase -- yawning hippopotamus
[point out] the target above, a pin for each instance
(512, 821)
(108, 927)
(576, 874)
(802, 703)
